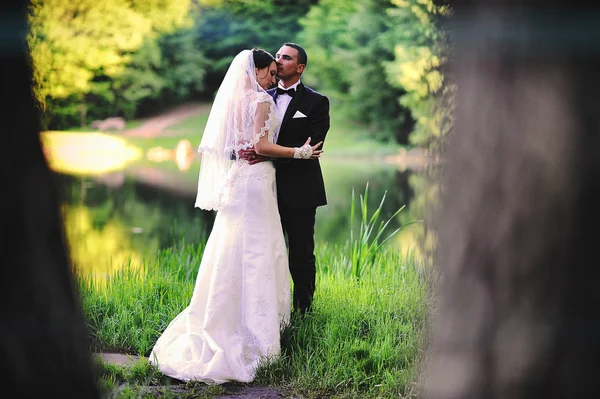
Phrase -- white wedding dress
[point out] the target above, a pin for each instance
(242, 294)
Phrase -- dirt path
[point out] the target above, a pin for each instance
(157, 125)
(231, 391)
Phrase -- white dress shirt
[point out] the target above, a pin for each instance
(281, 104)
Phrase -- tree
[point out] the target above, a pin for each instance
(419, 55)
(43, 334)
(349, 44)
(183, 67)
(165, 71)
(71, 41)
(140, 80)
(518, 301)
(329, 46)
(224, 28)
(75, 43)
(165, 16)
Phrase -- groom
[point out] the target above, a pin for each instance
(303, 113)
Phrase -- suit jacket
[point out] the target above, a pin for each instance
(300, 181)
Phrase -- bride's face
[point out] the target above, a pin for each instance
(266, 76)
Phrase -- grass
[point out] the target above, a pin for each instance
(365, 246)
(128, 312)
(193, 126)
(141, 380)
(362, 340)
(350, 138)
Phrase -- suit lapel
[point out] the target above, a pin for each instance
(293, 107)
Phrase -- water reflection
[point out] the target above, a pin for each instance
(87, 154)
(108, 227)
(99, 244)
(183, 155)
(119, 216)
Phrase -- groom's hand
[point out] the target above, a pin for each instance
(258, 158)
(251, 156)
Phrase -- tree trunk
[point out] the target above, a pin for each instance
(43, 340)
(518, 303)
(83, 112)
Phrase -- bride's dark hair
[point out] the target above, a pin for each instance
(262, 58)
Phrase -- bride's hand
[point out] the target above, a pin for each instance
(315, 153)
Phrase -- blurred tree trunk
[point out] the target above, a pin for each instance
(521, 187)
(43, 340)
(83, 112)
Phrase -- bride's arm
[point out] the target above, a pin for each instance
(264, 146)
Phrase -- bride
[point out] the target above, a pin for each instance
(242, 293)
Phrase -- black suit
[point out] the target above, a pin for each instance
(300, 187)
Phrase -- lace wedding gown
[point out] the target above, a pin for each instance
(242, 292)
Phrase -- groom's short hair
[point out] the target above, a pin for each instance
(302, 56)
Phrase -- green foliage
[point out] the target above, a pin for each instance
(183, 65)
(225, 28)
(141, 80)
(345, 41)
(416, 68)
(166, 16)
(164, 71)
(326, 38)
(81, 48)
(381, 59)
(62, 112)
(69, 41)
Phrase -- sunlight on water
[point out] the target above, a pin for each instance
(183, 155)
(84, 154)
(98, 252)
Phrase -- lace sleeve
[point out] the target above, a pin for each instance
(264, 118)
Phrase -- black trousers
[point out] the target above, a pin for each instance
(299, 226)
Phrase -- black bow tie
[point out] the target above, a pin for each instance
(289, 92)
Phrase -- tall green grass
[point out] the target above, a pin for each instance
(128, 311)
(363, 338)
(365, 247)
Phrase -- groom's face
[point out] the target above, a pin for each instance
(287, 63)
